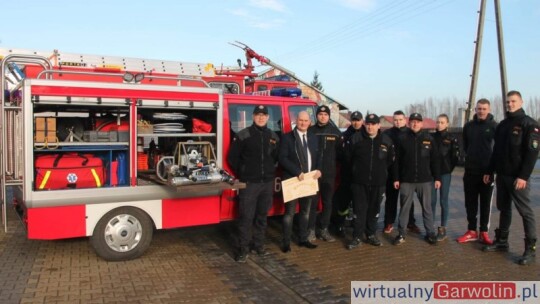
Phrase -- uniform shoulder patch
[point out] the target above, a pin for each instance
(243, 134)
(275, 136)
(387, 140)
(534, 136)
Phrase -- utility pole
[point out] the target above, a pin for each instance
(502, 62)
(476, 63)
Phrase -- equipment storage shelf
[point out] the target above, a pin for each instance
(82, 166)
(80, 143)
(39, 146)
(177, 135)
(162, 129)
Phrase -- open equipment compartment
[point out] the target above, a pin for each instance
(161, 129)
(87, 148)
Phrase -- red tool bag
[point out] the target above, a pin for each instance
(69, 171)
(199, 126)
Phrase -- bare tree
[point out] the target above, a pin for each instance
(416, 108)
(497, 110)
(532, 107)
(446, 108)
(432, 107)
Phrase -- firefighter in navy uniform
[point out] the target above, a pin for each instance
(343, 196)
(419, 171)
(253, 155)
(392, 194)
(371, 155)
(330, 147)
(517, 140)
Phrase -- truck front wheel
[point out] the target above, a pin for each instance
(122, 234)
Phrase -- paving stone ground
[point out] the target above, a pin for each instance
(195, 265)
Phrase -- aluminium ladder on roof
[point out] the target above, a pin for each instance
(179, 68)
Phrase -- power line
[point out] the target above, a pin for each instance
(348, 27)
(375, 27)
(343, 29)
(385, 20)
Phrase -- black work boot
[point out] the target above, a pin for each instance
(242, 255)
(500, 243)
(326, 236)
(530, 252)
(441, 234)
(354, 243)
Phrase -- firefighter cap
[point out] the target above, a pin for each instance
(356, 115)
(323, 108)
(260, 109)
(415, 116)
(373, 118)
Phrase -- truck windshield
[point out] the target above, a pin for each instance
(294, 110)
(241, 117)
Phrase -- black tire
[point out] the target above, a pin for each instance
(122, 234)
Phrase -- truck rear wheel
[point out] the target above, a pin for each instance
(122, 234)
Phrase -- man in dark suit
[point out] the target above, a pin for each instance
(297, 156)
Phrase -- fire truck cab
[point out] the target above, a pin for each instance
(112, 148)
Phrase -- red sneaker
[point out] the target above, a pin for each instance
(469, 236)
(388, 228)
(484, 238)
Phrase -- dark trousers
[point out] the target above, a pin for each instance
(391, 204)
(306, 204)
(342, 201)
(367, 205)
(477, 191)
(254, 203)
(506, 193)
(326, 190)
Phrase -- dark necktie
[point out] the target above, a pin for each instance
(304, 143)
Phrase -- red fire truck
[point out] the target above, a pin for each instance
(112, 148)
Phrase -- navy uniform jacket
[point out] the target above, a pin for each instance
(345, 168)
(292, 156)
(448, 150)
(394, 132)
(371, 158)
(517, 141)
(418, 158)
(253, 154)
(478, 144)
(330, 149)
